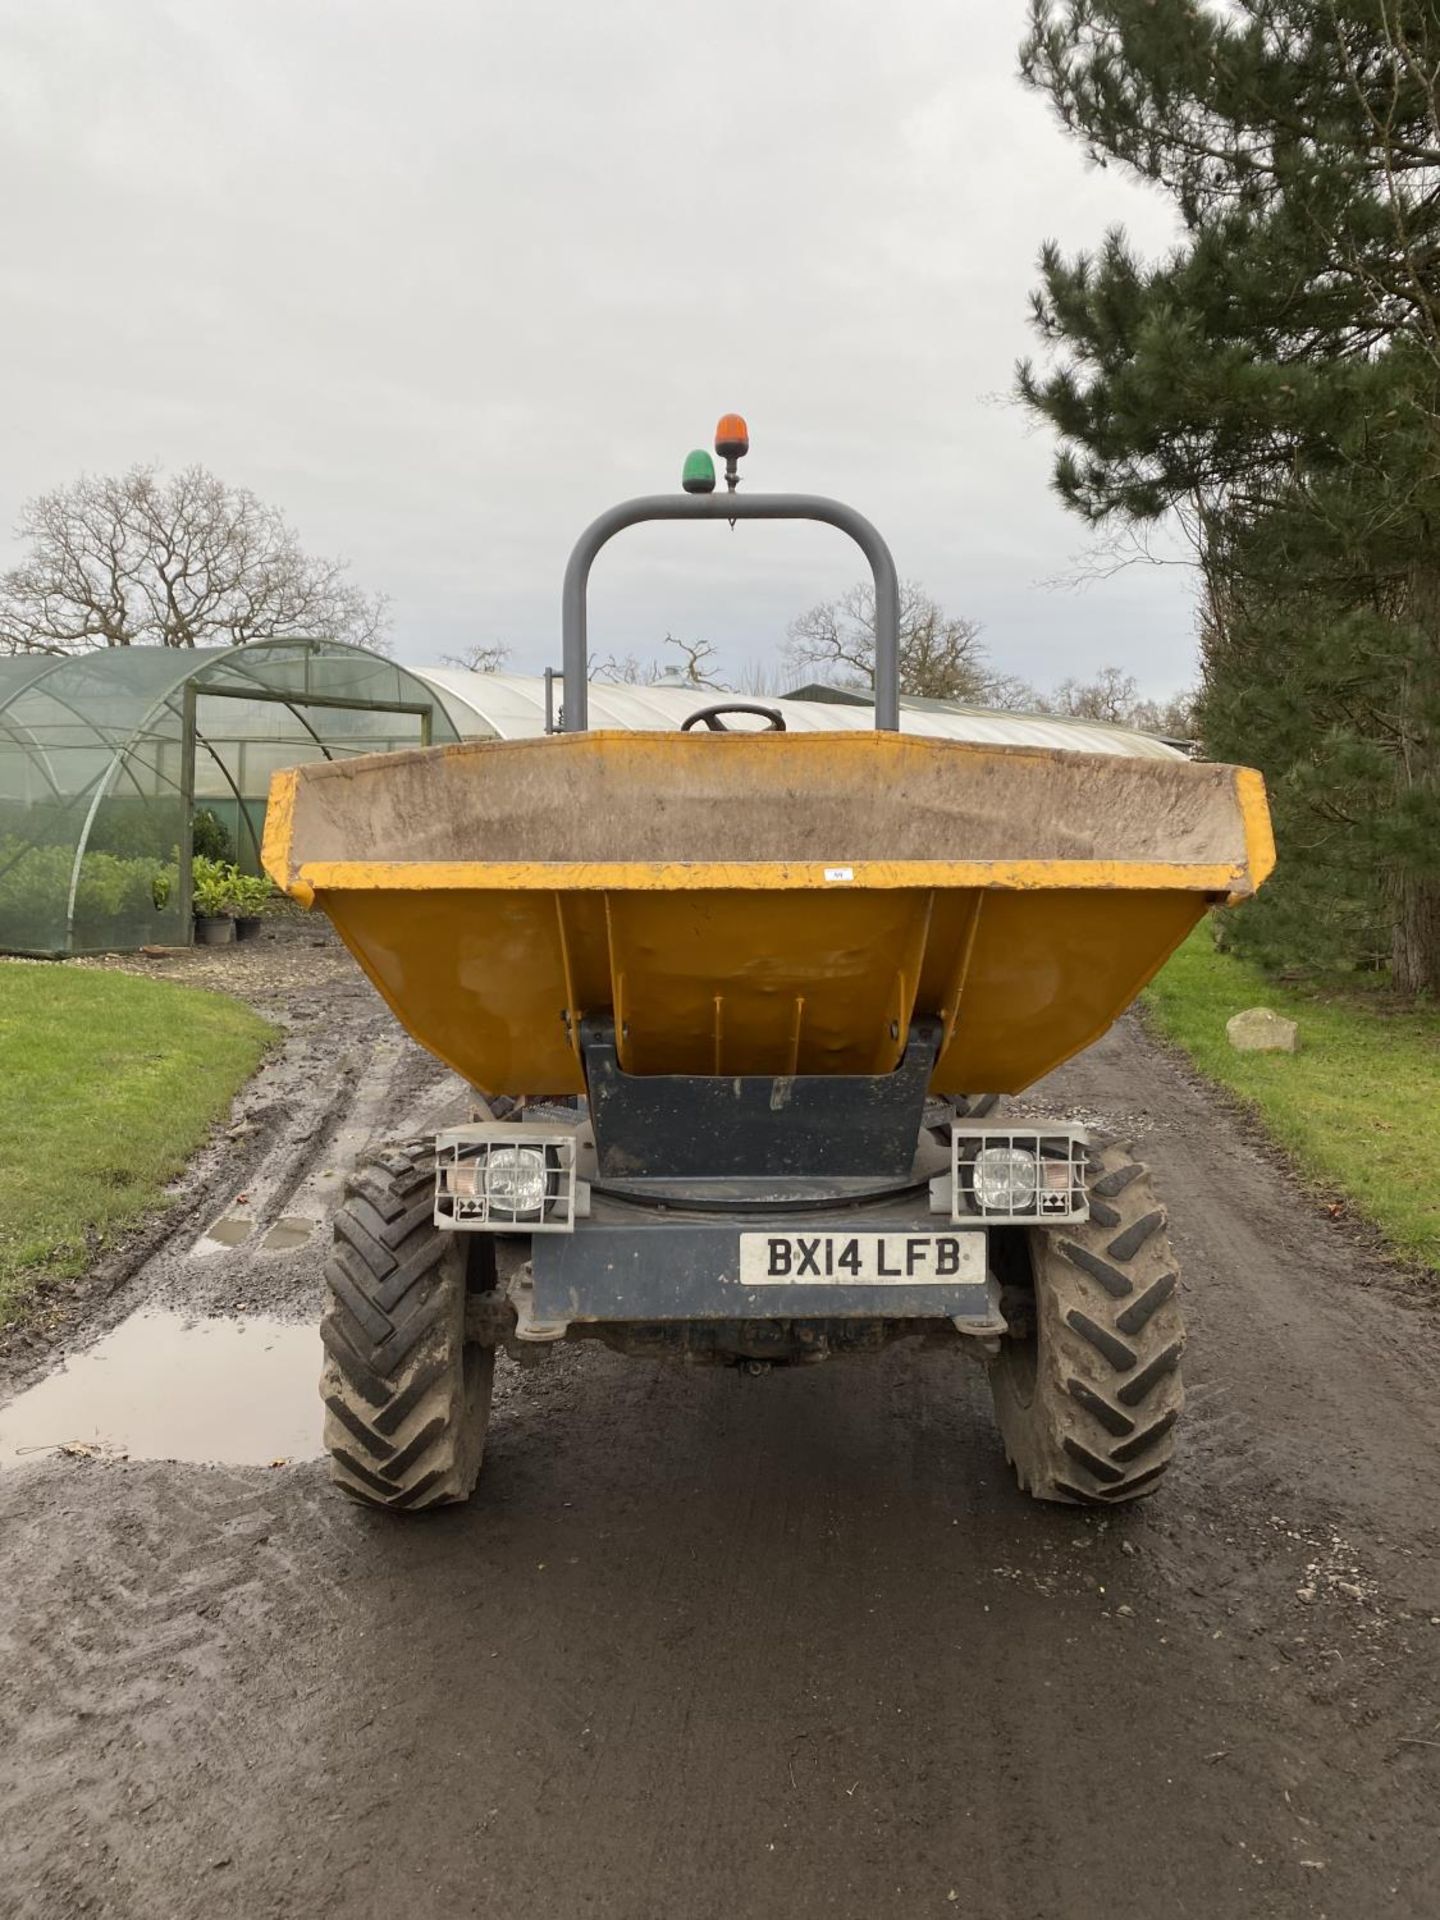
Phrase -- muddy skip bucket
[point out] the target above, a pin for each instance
(762, 903)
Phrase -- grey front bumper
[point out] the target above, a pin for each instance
(651, 1268)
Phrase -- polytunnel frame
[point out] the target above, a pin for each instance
(192, 737)
(191, 687)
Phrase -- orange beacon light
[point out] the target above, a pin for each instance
(732, 437)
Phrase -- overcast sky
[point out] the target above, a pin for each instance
(444, 280)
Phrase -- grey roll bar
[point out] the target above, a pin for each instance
(731, 506)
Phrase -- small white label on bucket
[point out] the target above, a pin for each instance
(839, 873)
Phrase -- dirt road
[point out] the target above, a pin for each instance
(713, 1646)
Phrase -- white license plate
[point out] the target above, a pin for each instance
(865, 1259)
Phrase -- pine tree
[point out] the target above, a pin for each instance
(1275, 382)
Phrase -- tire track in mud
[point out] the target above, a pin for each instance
(130, 1663)
(376, 1091)
(719, 1647)
(387, 1088)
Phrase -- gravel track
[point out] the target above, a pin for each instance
(712, 1646)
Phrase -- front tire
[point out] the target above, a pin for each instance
(1087, 1386)
(407, 1397)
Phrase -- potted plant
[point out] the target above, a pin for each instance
(251, 894)
(212, 897)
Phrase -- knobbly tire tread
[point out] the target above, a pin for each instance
(1087, 1407)
(407, 1399)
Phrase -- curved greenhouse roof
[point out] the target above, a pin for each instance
(511, 706)
(105, 758)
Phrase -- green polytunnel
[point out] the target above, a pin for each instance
(105, 759)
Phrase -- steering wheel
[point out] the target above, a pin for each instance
(712, 719)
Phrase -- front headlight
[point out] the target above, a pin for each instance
(1004, 1180)
(514, 1181)
(521, 1184)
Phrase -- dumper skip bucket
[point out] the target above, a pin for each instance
(761, 903)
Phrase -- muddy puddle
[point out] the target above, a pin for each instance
(235, 1229)
(167, 1386)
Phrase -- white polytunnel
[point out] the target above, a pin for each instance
(512, 706)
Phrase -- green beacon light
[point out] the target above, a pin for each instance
(698, 473)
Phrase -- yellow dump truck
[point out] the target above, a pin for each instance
(737, 1005)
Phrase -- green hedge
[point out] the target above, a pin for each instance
(119, 902)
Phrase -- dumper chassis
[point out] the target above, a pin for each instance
(721, 1121)
(1083, 1357)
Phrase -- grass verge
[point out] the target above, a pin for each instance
(107, 1084)
(1357, 1108)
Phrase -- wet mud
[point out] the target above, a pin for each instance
(718, 1647)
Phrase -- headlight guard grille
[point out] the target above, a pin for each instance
(1061, 1158)
(463, 1199)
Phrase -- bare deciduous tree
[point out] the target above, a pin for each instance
(1174, 717)
(759, 679)
(1008, 693)
(1113, 696)
(631, 671)
(141, 560)
(486, 656)
(940, 654)
(700, 663)
(1110, 696)
(625, 670)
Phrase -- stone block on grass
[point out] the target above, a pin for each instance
(1258, 1030)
